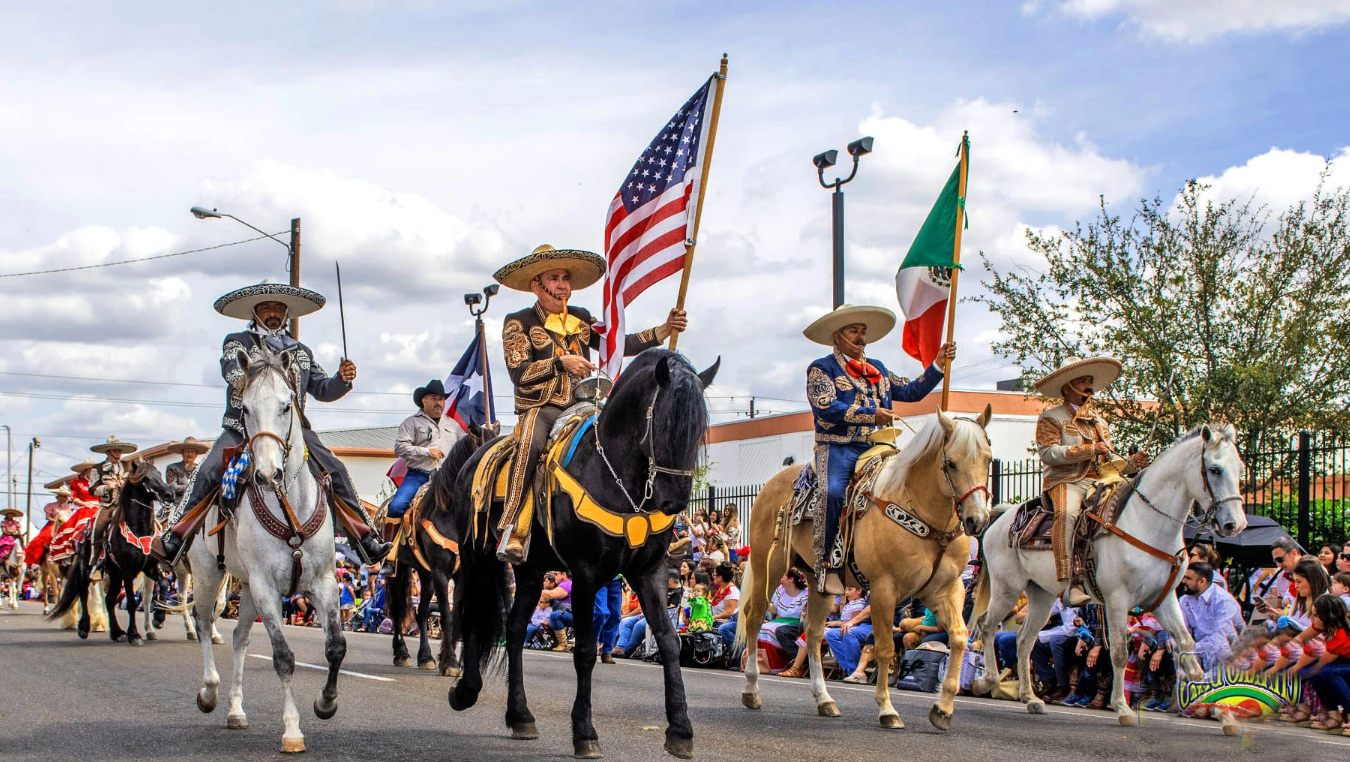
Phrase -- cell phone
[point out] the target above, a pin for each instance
(1273, 601)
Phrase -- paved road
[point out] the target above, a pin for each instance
(66, 699)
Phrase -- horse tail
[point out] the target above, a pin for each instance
(77, 581)
(482, 598)
(747, 584)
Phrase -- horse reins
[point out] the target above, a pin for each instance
(291, 532)
(653, 469)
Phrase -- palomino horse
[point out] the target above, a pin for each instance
(278, 542)
(938, 479)
(636, 467)
(131, 528)
(1139, 562)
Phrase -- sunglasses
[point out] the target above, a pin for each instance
(1278, 559)
(1346, 556)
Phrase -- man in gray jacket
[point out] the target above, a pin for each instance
(422, 442)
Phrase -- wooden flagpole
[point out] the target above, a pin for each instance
(956, 261)
(702, 190)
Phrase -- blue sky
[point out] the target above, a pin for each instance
(424, 145)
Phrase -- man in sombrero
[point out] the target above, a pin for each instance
(851, 397)
(179, 475)
(547, 350)
(1072, 439)
(105, 482)
(268, 307)
(423, 440)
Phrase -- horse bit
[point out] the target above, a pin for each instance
(653, 469)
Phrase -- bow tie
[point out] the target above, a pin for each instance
(864, 370)
(563, 324)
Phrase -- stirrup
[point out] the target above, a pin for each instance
(509, 554)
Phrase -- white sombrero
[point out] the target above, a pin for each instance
(585, 267)
(62, 491)
(113, 443)
(11, 513)
(190, 443)
(88, 463)
(241, 302)
(1103, 370)
(879, 322)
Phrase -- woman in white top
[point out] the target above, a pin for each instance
(778, 637)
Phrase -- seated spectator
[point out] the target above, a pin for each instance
(850, 634)
(538, 622)
(1005, 641)
(915, 630)
(1328, 677)
(1210, 612)
(560, 598)
(1143, 630)
(374, 612)
(778, 637)
(1051, 654)
(1090, 691)
(1327, 556)
(726, 601)
(1340, 586)
(1205, 553)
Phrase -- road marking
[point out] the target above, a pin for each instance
(325, 669)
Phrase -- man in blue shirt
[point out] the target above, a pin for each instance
(851, 398)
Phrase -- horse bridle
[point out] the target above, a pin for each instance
(653, 469)
(1211, 513)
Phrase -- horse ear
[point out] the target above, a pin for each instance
(988, 413)
(947, 424)
(707, 376)
(241, 358)
(1205, 433)
(663, 371)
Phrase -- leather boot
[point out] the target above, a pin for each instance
(834, 582)
(391, 528)
(512, 551)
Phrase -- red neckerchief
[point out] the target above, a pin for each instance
(864, 370)
(719, 595)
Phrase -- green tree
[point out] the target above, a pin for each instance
(1250, 312)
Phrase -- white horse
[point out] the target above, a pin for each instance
(1203, 466)
(281, 498)
(12, 570)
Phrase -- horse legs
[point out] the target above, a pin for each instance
(1118, 623)
(83, 627)
(112, 585)
(396, 598)
(98, 615)
(328, 601)
(947, 606)
(817, 608)
(133, 632)
(268, 602)
(205, 587)
(883, 600)
(529, 583)
(424, 658)
(448, 665)
(651, 590)
(150, 606)
(1039, 603)
(1002, 598)
(585, 742)
(237, 720)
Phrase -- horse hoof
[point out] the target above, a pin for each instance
(1035, 706)
(236, 722)
(1127, 720)
(1232, 729)
(292, 745)
(402, 661)
(586, 750)
(116, 638)
(891, 722)
(525, 731)
(137, 641)
(751, 700)
(205, 706)
(460, 703)
(682, 748)
(191, 635)
(982, 686)
(151, 636)
(828, 709)
(429, 665)
(940, 719)
(83, 632)
(324, 712)
(454, 672)
(220, 640)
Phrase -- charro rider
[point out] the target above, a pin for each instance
(422, 441)
(268, 306)
(850, 398)
(1072, 440)
(105, 482)
(547, 349)
(179, 475)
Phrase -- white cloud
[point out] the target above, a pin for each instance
(1194, 21)
(1278, 178)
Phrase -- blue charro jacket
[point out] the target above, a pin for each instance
(845, 407)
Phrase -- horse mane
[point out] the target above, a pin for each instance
(1222, 430)
(684, 411)
(927, 442)
(442, 489)
(257, 366)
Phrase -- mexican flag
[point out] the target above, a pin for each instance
(924, 282)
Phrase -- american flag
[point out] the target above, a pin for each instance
(651, 217)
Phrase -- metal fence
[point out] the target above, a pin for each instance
(1305, 486)
(717, 497)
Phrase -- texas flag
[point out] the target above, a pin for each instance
(923, 284)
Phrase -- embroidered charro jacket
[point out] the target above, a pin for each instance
(179, 476)
(106, 481)
(534, 355)
(845, 407)
(304, 373)
(1066, 445)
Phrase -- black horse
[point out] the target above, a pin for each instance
(397, 594)
(637, 459)
(130, 529)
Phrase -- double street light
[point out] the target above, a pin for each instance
(823, 161)
(292, 248)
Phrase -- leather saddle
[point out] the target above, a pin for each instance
(1033, 525)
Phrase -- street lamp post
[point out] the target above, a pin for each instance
(33, 444)
(478, 304)
(9, 464)
(857, 149)
(292, 248)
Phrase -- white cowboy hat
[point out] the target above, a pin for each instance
(240, 302)
(88, 463)
(879, 322)
(62, 491)
(585, 267)
(190, 443)
(113, 443)
(1103, 370)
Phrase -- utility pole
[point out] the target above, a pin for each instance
(295, 270)
(28, 508)
(9, 464)
(752, 408)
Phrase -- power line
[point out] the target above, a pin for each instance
(186, 383)
(133, 261)
(167, 403)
